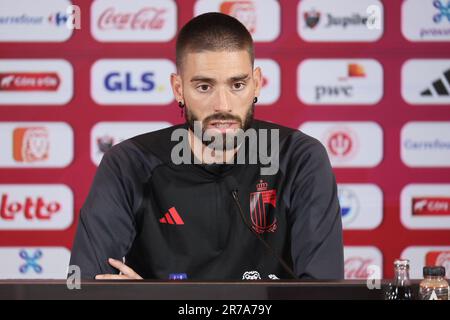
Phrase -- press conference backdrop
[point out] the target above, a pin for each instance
(370, 79)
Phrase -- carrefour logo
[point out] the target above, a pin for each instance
(132, 81)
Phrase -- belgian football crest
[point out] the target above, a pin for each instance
(259, 210)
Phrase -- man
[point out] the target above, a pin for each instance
(149, 215)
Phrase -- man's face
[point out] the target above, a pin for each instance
(218, 89)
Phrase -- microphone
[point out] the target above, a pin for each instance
(233, 186)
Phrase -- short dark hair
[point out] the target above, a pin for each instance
(213, 31)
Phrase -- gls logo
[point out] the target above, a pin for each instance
(115, 81)
(131, 81)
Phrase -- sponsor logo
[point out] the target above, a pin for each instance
(134, 20)
(426, 20)
(24, 207)
(244, 11)
(29, 81)
(177, 276)
(132, 81)
(362, 262)
(426, 144)
(31, 144)
(260, 218)
(425, 206)
(339, 81)
(251, 13)
(361, 206)
(171, 217)
(426, 81)
(270, 91)
(421, 256)
(349, 203)
(104, 135)
(43, 21)
(350, 21)
(34, 262)
(31, 261)
(431, 206)
(251, 275)
(35, 81)
(349, 144)
(36, 144)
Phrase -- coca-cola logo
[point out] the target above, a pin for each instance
(30, 208)
(439, 258)
(357, 268)
(147, 18)
(15, 81)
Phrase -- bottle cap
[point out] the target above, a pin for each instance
(433, 271)
(401, 263)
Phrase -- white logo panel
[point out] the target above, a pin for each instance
(361, 206)
(261, 17)
(132, 81)
(35, 81)
(133, 20)
(342, 20)
(35, 21)
(104, 135)
(349, 144)
(36, 144)
(34, 262)
(425, 206)
(340, 81)
(426, 144)
(35, 207)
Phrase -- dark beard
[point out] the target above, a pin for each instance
(244, 124)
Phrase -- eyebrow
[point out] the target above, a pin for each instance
(213, 81)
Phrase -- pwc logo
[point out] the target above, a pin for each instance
(361, 206)
(104, 135)
(350, 21)
(132, 81)
(253, 14)
(359, 262)
(35, 21)
(35, 207)
(36, 144)
(34, 262)
(270, 91)
(420, 256)
(35, 81)
(426, 81)
(340, 81)
(349, 144)
(426, 20)
(425, 206)
(133, 20)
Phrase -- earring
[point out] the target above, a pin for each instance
(181, 105)
(255, 100)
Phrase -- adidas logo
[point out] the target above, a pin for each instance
(439, 86)
(172, 217)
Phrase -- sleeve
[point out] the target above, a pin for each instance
(106, 226)
(316, 234)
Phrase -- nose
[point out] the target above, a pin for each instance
(222, 102)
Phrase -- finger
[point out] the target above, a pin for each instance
(126, 270)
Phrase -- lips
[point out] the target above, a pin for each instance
(222, 125)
